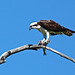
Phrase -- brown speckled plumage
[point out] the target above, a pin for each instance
(55, 27)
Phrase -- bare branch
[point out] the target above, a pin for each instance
(30, 47)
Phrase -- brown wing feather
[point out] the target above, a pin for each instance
(50, 25)
(53, 26)
(68, 32)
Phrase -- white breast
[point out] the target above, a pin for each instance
(42, 30)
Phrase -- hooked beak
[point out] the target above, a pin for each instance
(30, 28)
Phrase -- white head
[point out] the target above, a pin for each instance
(33, 25)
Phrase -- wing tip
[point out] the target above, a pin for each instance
(69, 32)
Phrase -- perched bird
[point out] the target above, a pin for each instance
(50, 27)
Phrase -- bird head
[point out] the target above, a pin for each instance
(34, 25)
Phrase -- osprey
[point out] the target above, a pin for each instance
(50, 27)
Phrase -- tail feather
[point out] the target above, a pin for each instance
(69, 32)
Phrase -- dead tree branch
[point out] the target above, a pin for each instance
(30, 47)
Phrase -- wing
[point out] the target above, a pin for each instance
(51, 25)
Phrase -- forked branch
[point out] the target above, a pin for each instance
(30, 47)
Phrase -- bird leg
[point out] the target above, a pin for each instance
(47, 39)
(41, 43)
(44, 37)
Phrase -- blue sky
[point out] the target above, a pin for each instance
(15, 17)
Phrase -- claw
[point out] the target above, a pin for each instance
(43, 42)
(47, 41)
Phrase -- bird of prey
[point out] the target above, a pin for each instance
(50, 27)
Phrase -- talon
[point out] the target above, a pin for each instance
(43, 42)
(47, 41)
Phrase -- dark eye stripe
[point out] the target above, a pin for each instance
(35, 25)
(30, 26)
